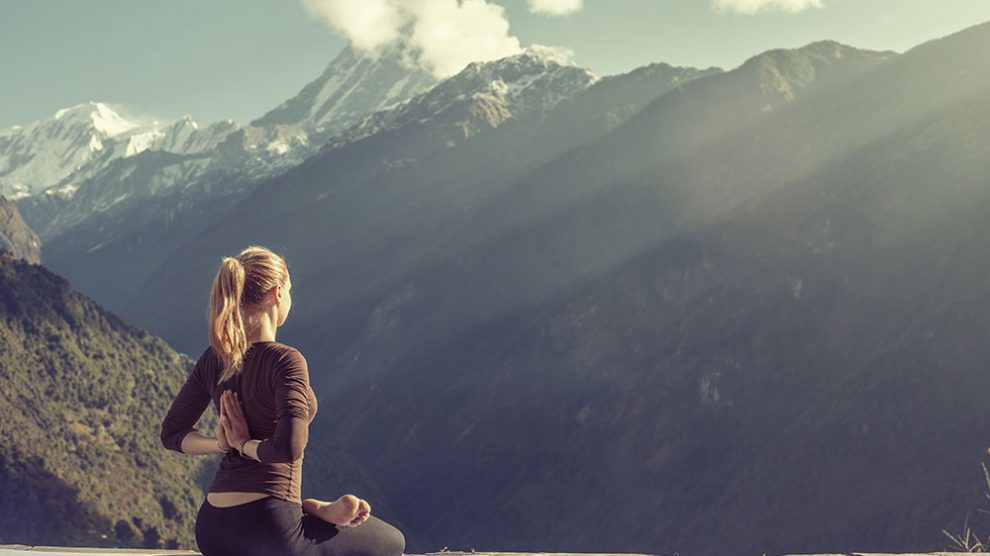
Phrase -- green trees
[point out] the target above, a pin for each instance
(82, 395)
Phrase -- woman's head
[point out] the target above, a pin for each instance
(247, 290)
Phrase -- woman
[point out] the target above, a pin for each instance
(261, 389)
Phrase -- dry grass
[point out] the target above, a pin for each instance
(966, 541)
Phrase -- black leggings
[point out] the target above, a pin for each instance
(271, 526)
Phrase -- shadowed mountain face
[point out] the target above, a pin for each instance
(15, 235)
(743, 312)
(381, 204)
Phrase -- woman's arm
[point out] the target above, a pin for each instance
(177, 427)
(197, 444)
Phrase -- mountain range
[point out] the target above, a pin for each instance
(675, 310)
(130, 191)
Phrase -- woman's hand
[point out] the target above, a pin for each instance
(221, 433)
(235, 427)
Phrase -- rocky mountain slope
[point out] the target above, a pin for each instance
(15, 235)
(354, 85)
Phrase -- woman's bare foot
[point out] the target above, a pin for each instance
(346, 511)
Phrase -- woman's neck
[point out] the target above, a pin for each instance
(264, 332)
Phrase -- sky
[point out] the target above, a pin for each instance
(237, 59)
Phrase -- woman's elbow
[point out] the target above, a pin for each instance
(171, 439)
(281, 452)
(285, 454)
(296, 450)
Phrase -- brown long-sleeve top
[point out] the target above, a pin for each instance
(278, 406)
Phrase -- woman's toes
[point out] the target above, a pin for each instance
(363, 511)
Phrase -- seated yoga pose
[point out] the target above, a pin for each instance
(262, 393)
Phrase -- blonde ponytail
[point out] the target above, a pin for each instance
(240, 284)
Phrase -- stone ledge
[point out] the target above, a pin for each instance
(25, 550)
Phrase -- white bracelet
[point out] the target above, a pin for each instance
(221, 447)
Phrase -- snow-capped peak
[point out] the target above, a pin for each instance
(80, 140)
(535, 57)
(353, 85)
(484, 94)
(98, 116)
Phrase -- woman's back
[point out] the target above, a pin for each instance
(278, 405)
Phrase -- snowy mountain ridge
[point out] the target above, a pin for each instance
(59, 154)
(353, 85)
(484, 94)
(120, 162)
(75, 143)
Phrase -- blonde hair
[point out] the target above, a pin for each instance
(239, 289)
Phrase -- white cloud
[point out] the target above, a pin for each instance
(452, 34)
(369, 24)
(755, 6)
(554, 7)
(446, 35)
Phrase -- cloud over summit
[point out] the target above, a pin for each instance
(445, 35)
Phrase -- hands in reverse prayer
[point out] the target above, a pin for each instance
(346, 511)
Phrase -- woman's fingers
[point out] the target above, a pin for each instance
(234, 405)
(231, 407)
